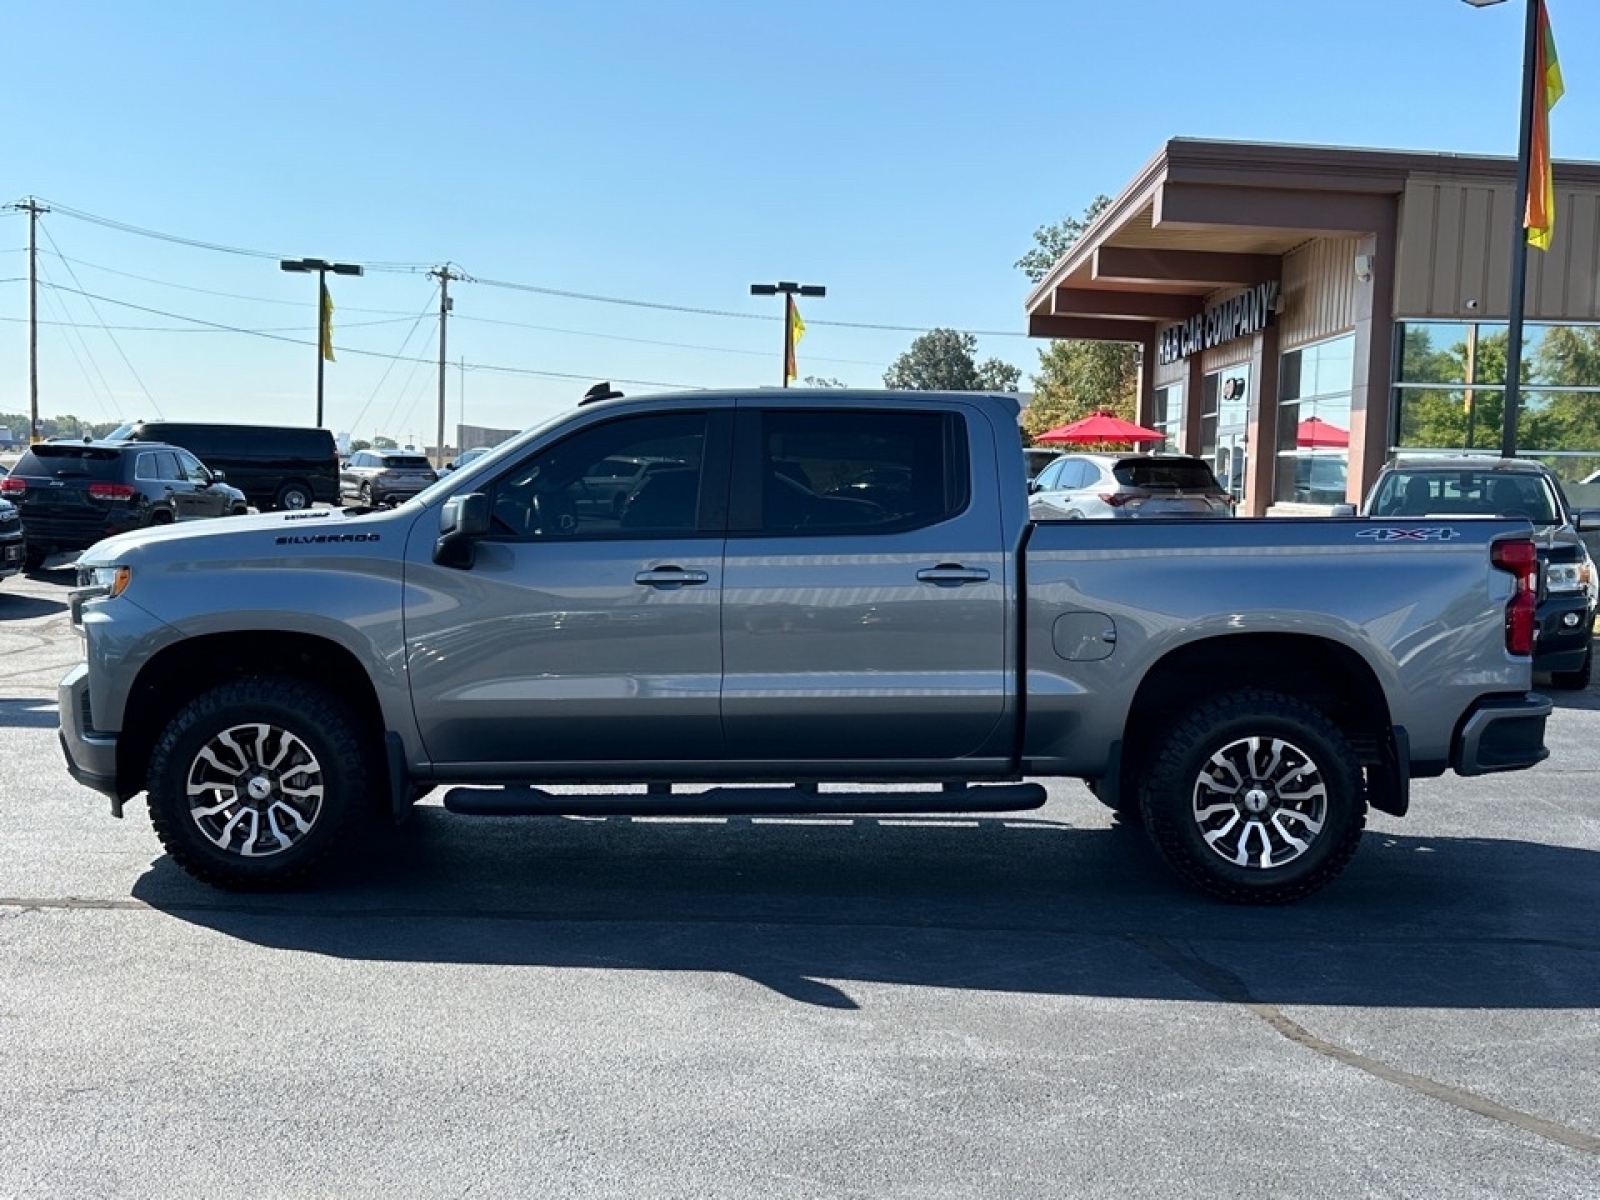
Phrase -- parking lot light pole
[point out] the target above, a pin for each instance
(321, 268)
(788, 291)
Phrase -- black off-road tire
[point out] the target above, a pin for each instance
(295, 739)
(1299, 754)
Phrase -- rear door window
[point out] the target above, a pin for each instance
(848, 472)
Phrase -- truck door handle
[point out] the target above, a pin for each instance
(670, 577)
(952, 575)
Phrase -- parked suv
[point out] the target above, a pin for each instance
(276, 466)
(1511, 487)
(71, 494)
(378, 477)
(12, 551)
(1127, 485)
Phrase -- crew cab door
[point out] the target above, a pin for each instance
(866, 599)
(579, 634)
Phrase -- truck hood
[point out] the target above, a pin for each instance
(237, 538)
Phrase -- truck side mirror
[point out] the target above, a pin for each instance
(1343, 510)
(462, 521)
(1586, 520)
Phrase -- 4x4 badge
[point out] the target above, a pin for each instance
(1389, 533)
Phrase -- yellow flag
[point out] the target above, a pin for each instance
(326, 334)
(797, 330)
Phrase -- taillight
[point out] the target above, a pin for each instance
(113, 492)
(12, 486)
(1519, 557)
(1117, 499)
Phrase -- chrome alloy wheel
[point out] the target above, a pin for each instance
(1260, 802)
(255, 790)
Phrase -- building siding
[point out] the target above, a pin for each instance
(1455, 249)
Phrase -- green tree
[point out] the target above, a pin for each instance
(941, 360)
(1052, 241)
(823, 381)
(1076, 378)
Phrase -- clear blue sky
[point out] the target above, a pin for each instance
(673, 153)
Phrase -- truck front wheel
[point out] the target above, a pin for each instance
(1256, 798)
(252, 783)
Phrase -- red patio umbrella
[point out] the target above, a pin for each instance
(1316, 433)
(1101, 427)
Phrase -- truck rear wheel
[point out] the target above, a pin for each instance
(1256, 798)
(253, 783)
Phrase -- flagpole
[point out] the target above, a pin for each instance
(1519, 236)
(788, 334)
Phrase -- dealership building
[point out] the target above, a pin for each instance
(1305, 312)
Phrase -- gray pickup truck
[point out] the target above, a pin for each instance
(809, 596)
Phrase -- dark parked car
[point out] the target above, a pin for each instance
(378, 477)
(1468, 486)
(1121, 486)
(466, 457)
(71, 494)
(12, 551)
(276, 466)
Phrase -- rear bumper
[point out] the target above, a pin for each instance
(1502, 733)
(91, 756)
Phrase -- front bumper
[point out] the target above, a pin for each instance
(1565, 629)
(91, 756)
(1502, 733)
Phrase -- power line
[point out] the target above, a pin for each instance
(124, 227)
(275, 337)
(118, 345)
(402, 267)
(183, 287)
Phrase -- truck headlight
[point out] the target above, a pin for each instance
(107, 581)
(95, 583)
(1568, 576)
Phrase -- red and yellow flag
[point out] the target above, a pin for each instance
(325, 334)
(797, 330)
(1540, 217)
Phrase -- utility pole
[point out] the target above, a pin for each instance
(33, 208)
(444, 275)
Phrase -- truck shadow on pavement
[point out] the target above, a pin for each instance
(820, 912)
(27, 608)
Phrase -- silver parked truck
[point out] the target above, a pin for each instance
(814, 602)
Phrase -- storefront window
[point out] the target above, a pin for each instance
(1313, 453)
(1451, 392)
(1169, 415)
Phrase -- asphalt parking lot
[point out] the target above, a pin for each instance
(993, 1007)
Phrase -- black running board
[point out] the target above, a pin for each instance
(661, 801)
